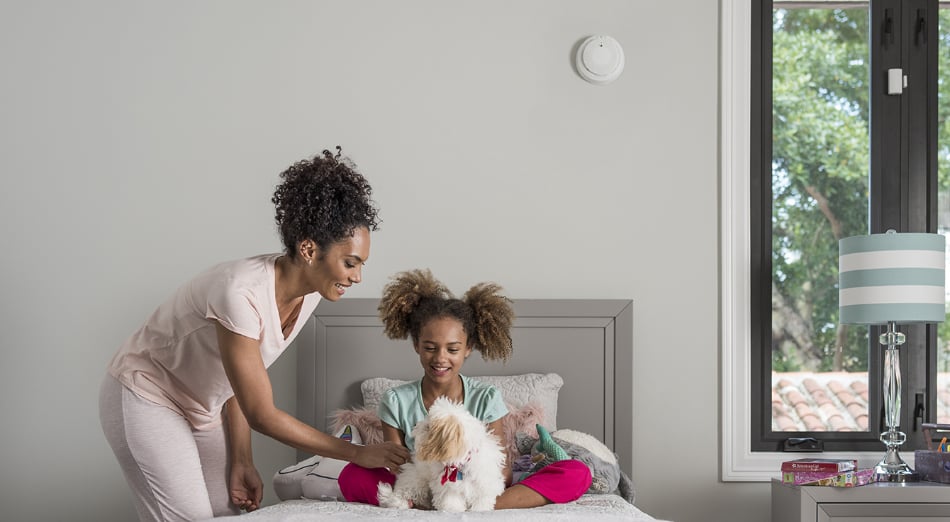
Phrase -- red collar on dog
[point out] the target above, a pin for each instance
(452, 472)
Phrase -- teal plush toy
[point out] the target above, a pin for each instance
(547, 451)
(543, 451)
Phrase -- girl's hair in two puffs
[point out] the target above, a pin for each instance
(415, 297)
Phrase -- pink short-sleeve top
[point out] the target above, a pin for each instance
(174, 360)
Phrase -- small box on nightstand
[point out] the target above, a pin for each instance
(933, 465)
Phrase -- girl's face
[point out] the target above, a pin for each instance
(341, 265)
(442, 348)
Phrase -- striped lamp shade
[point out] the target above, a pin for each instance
(891, 277)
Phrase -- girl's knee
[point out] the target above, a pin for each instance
(561, 481)
(359, 484)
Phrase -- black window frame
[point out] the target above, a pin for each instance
(903, 186)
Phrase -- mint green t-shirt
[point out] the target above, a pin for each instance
(402, 408)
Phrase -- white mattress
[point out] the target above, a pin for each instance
(589, 507)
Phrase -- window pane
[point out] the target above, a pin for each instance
(943, 201)
(820, 171)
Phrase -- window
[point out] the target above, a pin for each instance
(815, 150)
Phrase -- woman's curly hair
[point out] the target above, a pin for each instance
(324, 199)
(415, 297)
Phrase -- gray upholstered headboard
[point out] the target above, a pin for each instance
(589, 343)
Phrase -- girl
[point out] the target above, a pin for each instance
(183, 392)
(444, 331)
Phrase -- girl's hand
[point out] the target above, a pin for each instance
(245, 487)
(385, 455)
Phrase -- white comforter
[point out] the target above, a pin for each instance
(589, 507)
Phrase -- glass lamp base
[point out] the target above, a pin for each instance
(894, 469)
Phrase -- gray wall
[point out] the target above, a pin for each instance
(142, 141)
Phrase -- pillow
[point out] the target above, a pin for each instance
(516, 390)
(522, 420)
(320, 480)
(287, 481)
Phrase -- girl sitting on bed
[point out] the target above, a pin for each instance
(444, 332)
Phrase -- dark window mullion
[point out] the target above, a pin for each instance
(919, 201)
(887, 126)
(761, 231)
(887, 122)
(903, 174)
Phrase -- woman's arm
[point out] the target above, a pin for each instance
(244, 481)
(252, 391)
(498, 427)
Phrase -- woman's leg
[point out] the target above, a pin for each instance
(358, 484)
(157, 452)
(213, 452)
(559, 482)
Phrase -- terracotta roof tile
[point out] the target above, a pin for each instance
(831, 401)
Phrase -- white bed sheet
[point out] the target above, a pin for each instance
(587, 508)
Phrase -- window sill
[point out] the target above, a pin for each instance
(765, 466)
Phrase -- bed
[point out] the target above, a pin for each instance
(586, 344)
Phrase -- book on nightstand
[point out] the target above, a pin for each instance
(820, 465)
(843, 479)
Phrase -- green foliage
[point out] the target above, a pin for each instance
(820, 167)
(943, 104)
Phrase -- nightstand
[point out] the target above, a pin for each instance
(882, 501)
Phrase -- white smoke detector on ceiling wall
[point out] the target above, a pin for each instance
(599, 59)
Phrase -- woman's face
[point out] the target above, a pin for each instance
(442, 348)
(341, 265)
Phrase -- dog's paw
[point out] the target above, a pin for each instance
(452, 504)
(484, 505)
(389, 499)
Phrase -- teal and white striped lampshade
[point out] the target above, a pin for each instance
(891, 277)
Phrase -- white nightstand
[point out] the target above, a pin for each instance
(920, 501)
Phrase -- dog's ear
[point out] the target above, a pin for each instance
(445, 441)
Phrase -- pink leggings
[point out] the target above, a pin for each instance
(560, 482)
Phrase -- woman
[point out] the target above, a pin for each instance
(444, 332)
(183, 392)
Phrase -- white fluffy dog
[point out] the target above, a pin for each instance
(457, 464)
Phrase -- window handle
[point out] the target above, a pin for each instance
(921, 33)
(918, 410)
(888, 35)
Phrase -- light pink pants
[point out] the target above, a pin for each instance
(175, 472)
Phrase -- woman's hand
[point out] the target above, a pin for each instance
(245, 487)
(385, 455)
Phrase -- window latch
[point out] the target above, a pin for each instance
(888, 30)
(803, 444)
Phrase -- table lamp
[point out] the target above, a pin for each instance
(885, 279)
